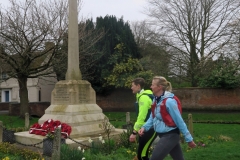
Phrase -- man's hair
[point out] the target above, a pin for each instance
(139, 81)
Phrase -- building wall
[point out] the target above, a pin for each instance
(10, 85)
(6, 97)
(46, 87)
(36, 86)
(33, 93)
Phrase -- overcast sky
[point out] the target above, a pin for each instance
(131, 10)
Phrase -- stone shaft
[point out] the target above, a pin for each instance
(73, 71)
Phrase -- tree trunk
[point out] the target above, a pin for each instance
(23, 93)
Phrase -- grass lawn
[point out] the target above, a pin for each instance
(225, 145)
(222, 141)
(15, 121)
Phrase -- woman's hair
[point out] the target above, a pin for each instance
(139, 81)
(167, 86)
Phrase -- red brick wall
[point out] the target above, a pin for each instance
(123, 100)
(35, 108)
(119, 100)
(4, 106)
(209, 99)
(191, 98)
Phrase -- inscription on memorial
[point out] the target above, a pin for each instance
(83, 95)
(61, 95)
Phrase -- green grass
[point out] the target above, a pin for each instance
(226, 147)
(119, 118)
(218, 151)
(222, 140)
(226, 141)
(15, 121)
(214, 117)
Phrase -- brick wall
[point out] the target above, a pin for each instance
(209, 99)
(4, 106)
(35, 108)
(123, 100)
(191, 99)
(119, 100)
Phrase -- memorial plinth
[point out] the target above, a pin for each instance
(74, 102)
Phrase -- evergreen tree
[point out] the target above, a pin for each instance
(117, 46)
(88, 54)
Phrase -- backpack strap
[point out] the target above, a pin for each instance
(137, 106)
(149, 95)
(165, 115)
(153, 106)
(178, 103)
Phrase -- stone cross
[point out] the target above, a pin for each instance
(73, 71)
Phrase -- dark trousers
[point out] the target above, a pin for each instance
(145, 142)
(168, 144)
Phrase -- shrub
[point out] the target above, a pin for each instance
(7, 148)
(225, 74)
(71, 153)
(124, 137)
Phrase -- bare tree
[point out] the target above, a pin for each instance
(30, 35)
(233, 47)
(194, 29)
(154, 54)
(144, 33)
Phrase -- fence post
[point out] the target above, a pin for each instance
(26, 121)
(127, 117)
(1, 131)
(56, 144)
(190, 124)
